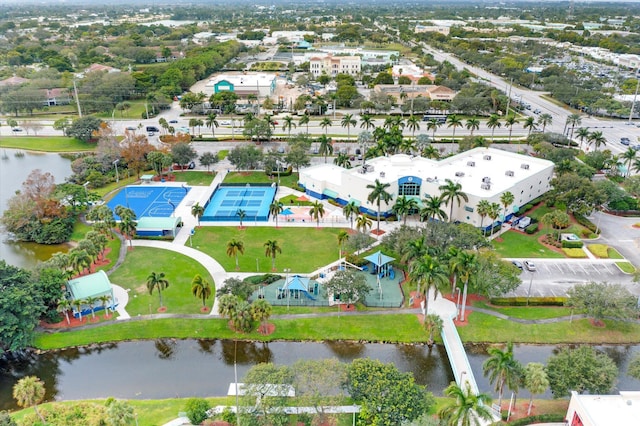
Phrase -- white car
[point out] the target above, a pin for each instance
(530, 266)
(225, 123)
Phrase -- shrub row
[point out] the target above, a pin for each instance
(572, 244)
(265, 278)
(356, 260)
(575, 253)
(533, 301)
(582, 220)
(531, 229)
(599, 250)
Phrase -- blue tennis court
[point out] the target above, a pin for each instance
(225, 202)
(149, 201)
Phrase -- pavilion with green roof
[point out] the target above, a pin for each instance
(93, 285)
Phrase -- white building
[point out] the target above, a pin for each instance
(290, 36)
(484, 173)
(604, 410)
(334, 65)
(243, 84)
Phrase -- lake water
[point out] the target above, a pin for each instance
(13, 172)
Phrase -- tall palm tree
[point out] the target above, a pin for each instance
(272, 249)
(201, 289)
(403, 206)
(77, 303)
(510, 121)
(91, 301)
(288, 124)
(455, 122)
(343, 237)
(261, 311)
(227, 305)
(317, 212)
(275, 209)
(241, 215)
(212, 122)
(432, 208)
(493, 122)
(366, 122)
(433, 325)
(529, 124)
(80, 259)
(483, 208)
(413, 124)
(452, 191)
(431, 152)
(104, 300)
(29, 392)
(325, 123)
(325, 148)
(453, 267)
(362, 223)
(63, 306)
(507, 198)
(573, 120)
(535, 381)
(157, 281)
(583, 134)
(468, 265)
(378, 193)
(502, 368)
(465, 408)
(342, 160)
(597, 138)
(348, 121)
(636, 165)
(127, 228)
(427, 271)
(304, 120)
(233, 248)
(472, 125)
(545, 120)
(350, 210)
(494, 212)
(433, 124)
(197, 211)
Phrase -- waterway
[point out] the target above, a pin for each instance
(13, 172)
(184, 368)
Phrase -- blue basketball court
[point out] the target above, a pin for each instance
(149, 201)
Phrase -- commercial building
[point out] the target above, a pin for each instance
(483, 173)
(334, 65)
(92, 286)
(604, 410)
(429, 91)
(243, 84)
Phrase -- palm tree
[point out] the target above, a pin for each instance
(348, 121)
(80, 259)
(597, 138)
(465, 408)
(453, 121)
(573, 120)
(317, 212)
(362, 223)
(413, 124)
(431, 152)
(366, 122)
(378, 193)
(261, 311)
(63, 306)
(483, 209)
(636, 165)
(529, 124)
(472, 125)
(583, 134)
(343, 237)
(502, 368)
(104, 300)
(197, 211)
(426, 270)
(467, 265)
(272, 249)
(403, 206)
(120, 413)
(275, 209)
(241, 215)
(506, 199)
(510, 121)
(545, 120)
(201, 289)
(493, 122)
(450, 192)
(233, 248)
(433, 325)
(29, 392)
(227, 305)
(304, 120)
(91, 301)
(77, 303)
(433, 124)
(157, 281)
(342, 160)
(535, 381)
(432, 208)
(629, 156)
(453, 267)
(127, 227)
(288, 124)
(326, 147)
(212, 122)
(350, 210)
(494, 212)
(325, 123)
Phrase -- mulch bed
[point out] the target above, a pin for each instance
(75, 322)
(542, 239)
(376, 232)
(267, 329)
(347, 308)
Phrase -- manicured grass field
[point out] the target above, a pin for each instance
(626, 267)
(46, 143)
(261, 177)
(515, 244)
(194, 178)
(303, 249)
(179, 270)
(527, 312)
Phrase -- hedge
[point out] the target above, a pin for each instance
(572, 244)
(599, 250)
(531, 229)
(265, 278)
(575, 253)
(533, 301)
(582, 220)
(356, 260)
(540, 418)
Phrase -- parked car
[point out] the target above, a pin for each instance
(625, 141)
(523, 222)
(131, 128)
(225, 123)
(174, 121)
(16, 129)
(189, 166)
(530, 266)
(518, 264)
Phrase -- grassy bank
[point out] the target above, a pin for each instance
(46, 143)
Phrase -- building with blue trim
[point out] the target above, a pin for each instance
(243, 84)
(483, 173)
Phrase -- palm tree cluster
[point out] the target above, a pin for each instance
(81, 257)
(127, 224)
(243, 314)
(65, 305)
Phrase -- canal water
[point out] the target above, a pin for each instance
(185, 368)
(13, 172)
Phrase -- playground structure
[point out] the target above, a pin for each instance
(380, 266)
(296, 286)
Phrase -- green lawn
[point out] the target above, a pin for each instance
(515, 244)
(179, 270)
(303, 249)
(46, 143)
(626, 267)
(133, 113)
(261, 177)
(527, 312)
(195, 178)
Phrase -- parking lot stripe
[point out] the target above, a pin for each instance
(595, 268)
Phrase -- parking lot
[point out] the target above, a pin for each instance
(555, 277)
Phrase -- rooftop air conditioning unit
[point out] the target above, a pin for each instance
(524, 166)
(471, 163)
(486, 179)
(486, 157)
(381, 174)
(509, 173)
(370, 167)
(486, 186)
(459, 174)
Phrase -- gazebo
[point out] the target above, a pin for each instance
(381, 266)
(93, 285)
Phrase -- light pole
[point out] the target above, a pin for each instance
(115, 163)
(529, 291)
(286, 284)
(462, 373)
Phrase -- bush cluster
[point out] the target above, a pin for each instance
(599, 250)
(575, 253)
(531, 229)
(356, 260)
(263, 279)
(582, 220)
(533, 301)
(540, 418)
(572, 244)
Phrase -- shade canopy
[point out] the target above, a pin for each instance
(296, 282)
(379, 259)
(286, 212)
(302, 198)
